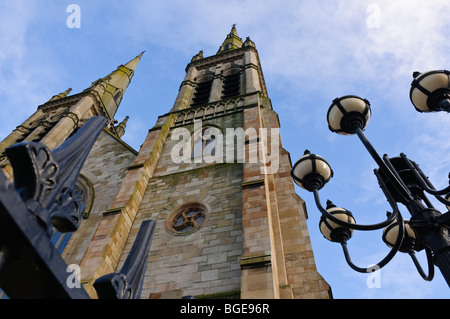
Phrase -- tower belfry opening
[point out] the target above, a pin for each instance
(201, 94)
(231, 84)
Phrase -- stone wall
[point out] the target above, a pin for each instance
(206, 261)
(105, 169)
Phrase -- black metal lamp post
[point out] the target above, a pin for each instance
(401, 180)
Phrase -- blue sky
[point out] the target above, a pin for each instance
(310, 51)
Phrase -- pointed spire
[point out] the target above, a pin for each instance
(120, 128)
(60, 95)
(249, 43)
(233, 30)
(112, 87)
(198, 56)
(232, 41)
(133, 63)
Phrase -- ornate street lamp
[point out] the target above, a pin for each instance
(402, 182)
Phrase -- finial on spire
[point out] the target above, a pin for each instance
(120, 128)
(232, 41)
(118, 80)
(233, 30)
(249, 42)
(198, 56)
(133, 63)
(61, 95)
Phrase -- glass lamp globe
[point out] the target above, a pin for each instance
(390, 234)
(331, 230)
(430, 91)
(348, 113)
(311, 171)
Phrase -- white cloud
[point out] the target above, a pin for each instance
(412, 32)
(22, 74)
(431, 147)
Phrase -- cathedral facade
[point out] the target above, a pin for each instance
(212, 173)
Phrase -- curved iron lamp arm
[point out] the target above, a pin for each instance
(342, 223)
(429, 254)
(394, 216)
(385, 260)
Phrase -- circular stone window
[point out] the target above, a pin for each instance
(187, 219)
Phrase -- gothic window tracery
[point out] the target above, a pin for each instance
(187, 219)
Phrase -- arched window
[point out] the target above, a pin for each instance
(203, 90)
(117, 96)
(83, 193)
(231, 83)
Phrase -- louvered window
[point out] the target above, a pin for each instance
(231, 84)
(201, 95)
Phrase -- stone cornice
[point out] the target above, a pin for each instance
(64, 102)
(221, 57)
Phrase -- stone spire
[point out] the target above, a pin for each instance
(131, 65)
(105, 94)
(110, 89)
(120, 128)
(232, 41)
(60, 95)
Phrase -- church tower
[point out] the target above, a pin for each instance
(211, 172)
(214, 176)
(99, 181)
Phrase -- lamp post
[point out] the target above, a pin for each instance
(400, 179)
